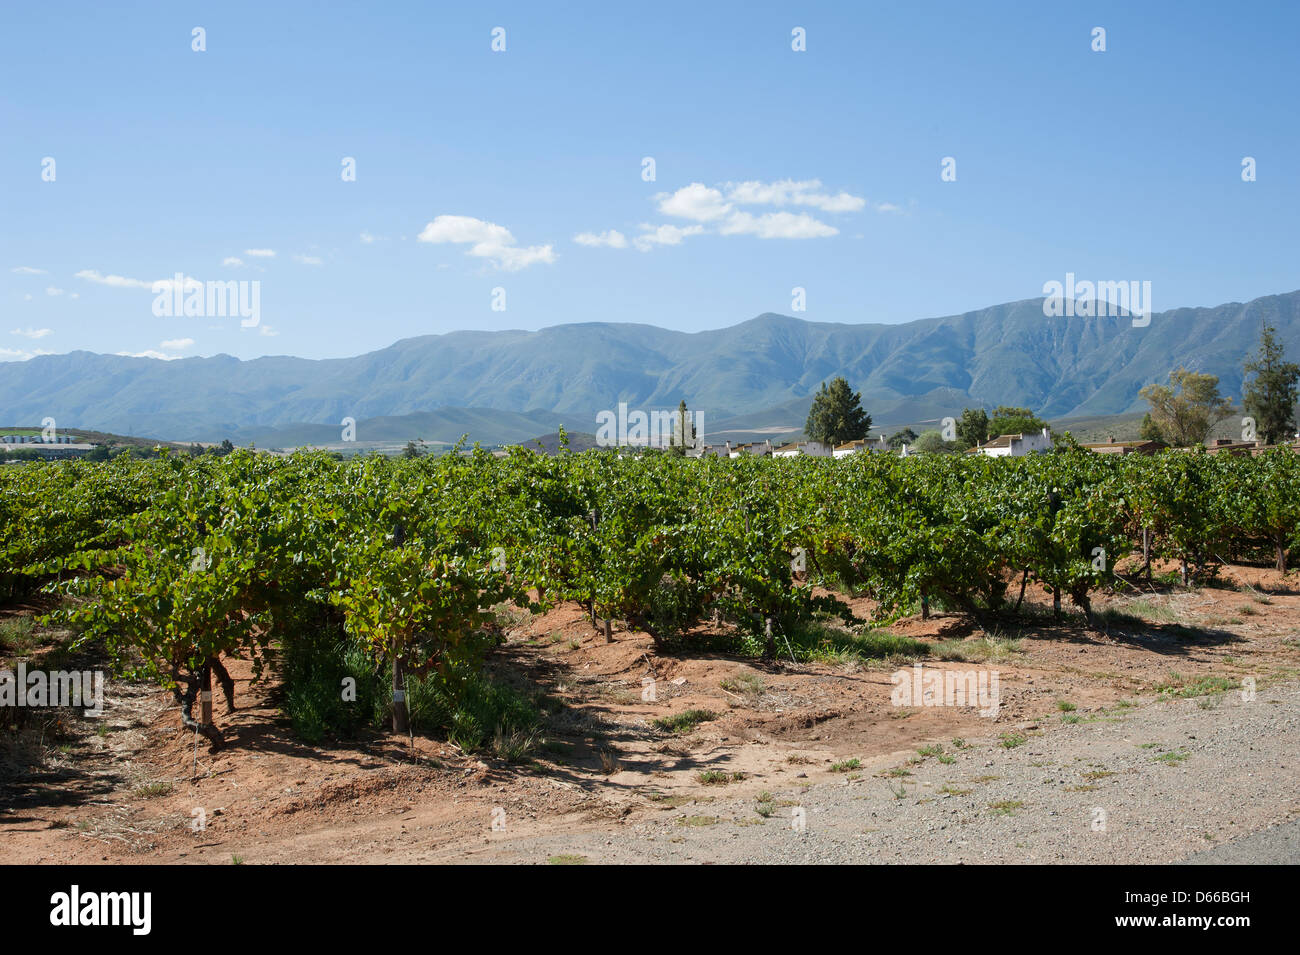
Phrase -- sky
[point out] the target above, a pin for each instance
(509, 188)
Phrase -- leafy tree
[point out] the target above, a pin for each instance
(1187, 412)
(931, 442)
(1150, 431)
(683, 430)
(413, 450)
(1009, 420)
(836, 415)
(226, 447)
(972, 428)
(1271, 397)
(900, 438)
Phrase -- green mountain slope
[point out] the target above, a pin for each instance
(510, 385)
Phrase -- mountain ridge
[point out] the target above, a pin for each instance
(563, 374)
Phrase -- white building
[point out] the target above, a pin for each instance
(862, 444)
(1015, 445)
(812, 449)
(759, 449)
(35, 439)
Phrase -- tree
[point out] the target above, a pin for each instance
(836, 415)
(413, 450)
(1271, 397)
(972, 428)
(683, 430)
(1150, 431)
(226, 447)
(1187, 412)
(900, 438)
(1009, 420)
(931, 442)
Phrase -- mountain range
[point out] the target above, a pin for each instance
(754, 377)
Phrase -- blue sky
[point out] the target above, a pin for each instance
(773, 168)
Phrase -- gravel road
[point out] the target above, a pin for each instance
(1209, 780)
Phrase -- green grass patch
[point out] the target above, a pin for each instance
(819, 642)
(684, 722)
(979, 650)
(1179, 688)
(698, 821)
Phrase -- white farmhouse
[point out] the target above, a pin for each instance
(759, 449)
(862, 444)
(812, 449)
(1015, 445)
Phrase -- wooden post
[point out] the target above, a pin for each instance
(400, 722)
(205, 695)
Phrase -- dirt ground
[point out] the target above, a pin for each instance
(131, 787)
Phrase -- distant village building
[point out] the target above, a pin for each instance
(56, 450)
(759, 449)
(879, 446)
(35, 439)
(1125, 447)
(1229, 446)
(1015, 445)
(812, 449)
(710, 451)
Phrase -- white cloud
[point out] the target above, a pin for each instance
(27, 270)
(260, 253)
(307, 260)
(697, 202)
(27, 297)
(15, 354)
(116, 281)
(777, 225)
(121, 281)
(32, 332)
(888, 207)
(664, 235)
(717, 211)
(267, 330)
(789, 192)
(611, 238)
(487, 240)
(148, 353)
(53, 291)
(171, 345)
(233, 262)
(367, 238)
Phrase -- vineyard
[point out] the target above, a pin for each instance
(395, 570)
